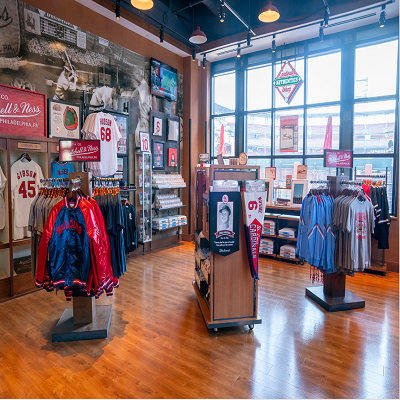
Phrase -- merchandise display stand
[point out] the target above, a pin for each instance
(233, 293)
(85, 320)
(333, 296)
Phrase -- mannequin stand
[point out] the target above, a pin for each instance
(333, 296)
(84, 321)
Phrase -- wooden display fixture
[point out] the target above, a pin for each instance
(233, 291)
(85, 321)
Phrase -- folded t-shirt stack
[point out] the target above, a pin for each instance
(160, 223)
(266, 246)
(288, 251)
(269, 227)
(182, 219)
(173, 221)
(288, 232)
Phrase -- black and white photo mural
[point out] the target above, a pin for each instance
(41, 52)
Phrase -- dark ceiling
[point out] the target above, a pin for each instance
(205, 14)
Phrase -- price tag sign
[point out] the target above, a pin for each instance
(144, 142)
(270, 172)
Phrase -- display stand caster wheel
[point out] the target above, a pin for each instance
(215, 330)
(251, 327)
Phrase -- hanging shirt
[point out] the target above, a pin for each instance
(25, 182)
(61, 169)
(3, 182)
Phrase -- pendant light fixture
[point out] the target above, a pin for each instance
(269, 13)
(198, 36)
(142, 4)
(382, 17)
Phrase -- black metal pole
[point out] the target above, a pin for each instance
(205, 135)
(190, 177)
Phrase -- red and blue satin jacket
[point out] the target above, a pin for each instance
(74, 251)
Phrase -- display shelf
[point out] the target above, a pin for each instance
(269, 236)
(170, 227)
(169, 188)
(296, 259)
(127, 190)
(287, 238)
(21, 242)
(289, 217)
(283, 188)
(4, 245)
(276, 207)
(167, 208)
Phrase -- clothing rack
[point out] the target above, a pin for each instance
(333, 296)
(327, 182)
(54, 180)
(344, 182)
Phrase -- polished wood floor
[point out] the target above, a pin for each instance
(158, 345)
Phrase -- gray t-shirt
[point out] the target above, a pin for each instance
(360, 225)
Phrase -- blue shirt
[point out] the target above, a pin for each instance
(61, 169)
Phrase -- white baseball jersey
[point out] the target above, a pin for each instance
(25, 182)
(3, 181)
(106, 129)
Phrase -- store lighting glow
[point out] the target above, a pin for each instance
(269, 13)
(326, 18)
(222, 13)
(382, 17)
(198, 37)
(118, 9)
(142, 4)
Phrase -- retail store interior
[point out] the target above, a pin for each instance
(199, 199)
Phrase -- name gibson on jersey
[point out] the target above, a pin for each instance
(27, 173)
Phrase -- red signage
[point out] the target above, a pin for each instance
(22, 112)
(338, 158)
(79, 150)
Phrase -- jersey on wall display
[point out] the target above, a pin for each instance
(224, 222)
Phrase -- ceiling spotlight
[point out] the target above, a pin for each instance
(248, 39)
(326, 18)
(273, 48)
(204, 61)
(162, 34)
(142, 4)
(321, 33)
(198, 37)
(269, 13)
(382, 17)
(193, 54)
(238, 51)
(222, 12)
(118, 9)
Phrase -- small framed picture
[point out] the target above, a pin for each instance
(157, 127)
(64, 119)
(158, 154)
(173, 130)
(172, 157)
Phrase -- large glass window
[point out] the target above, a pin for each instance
(379, 166)
(316, 170)
(262, 162)
(298, 98)
(376, 70)
(224, 136)
(259, 86)
(323, 126)
(374, 125)
(259, 134)
(224, 93)
(289, 132)
(323, 78)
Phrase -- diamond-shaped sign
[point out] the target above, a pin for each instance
(288, 82)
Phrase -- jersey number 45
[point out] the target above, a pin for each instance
(31, 192)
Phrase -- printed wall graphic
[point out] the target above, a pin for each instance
(158, 154)
(224, 222)
(64, 119)
(173, 130)
(289, 134)
(288, 82)
(68, 60)
(122, 123)
(172, 157)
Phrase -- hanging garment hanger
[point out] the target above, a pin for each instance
(25, 156)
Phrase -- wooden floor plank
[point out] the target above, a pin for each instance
(159, 347)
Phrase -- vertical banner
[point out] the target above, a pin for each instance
(224, 222)
(254, 198)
